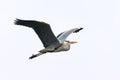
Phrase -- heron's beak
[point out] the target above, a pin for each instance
(73, 42)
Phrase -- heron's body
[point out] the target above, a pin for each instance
(50, 42)
(65, 46)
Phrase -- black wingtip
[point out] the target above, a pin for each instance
(78, 30)
(81, 28)
(17, 21)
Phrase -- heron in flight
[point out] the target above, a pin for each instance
(49, 40)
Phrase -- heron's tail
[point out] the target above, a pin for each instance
(28, 23)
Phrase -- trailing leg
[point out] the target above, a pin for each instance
(36, 55)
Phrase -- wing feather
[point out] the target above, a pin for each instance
(42, 29)
(62, 36)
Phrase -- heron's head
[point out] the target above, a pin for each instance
(72, 42)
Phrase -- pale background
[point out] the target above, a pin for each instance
(95, 57)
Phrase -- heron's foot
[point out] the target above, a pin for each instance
(33, 56)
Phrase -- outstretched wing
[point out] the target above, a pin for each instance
(42, 29)
(62, 36)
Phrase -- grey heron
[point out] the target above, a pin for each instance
(49, 40)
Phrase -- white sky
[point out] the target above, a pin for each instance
(95, 57)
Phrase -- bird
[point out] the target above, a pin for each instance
(50, 42)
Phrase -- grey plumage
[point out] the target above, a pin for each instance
(49, 40)
(42, 29)
(62, 36)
